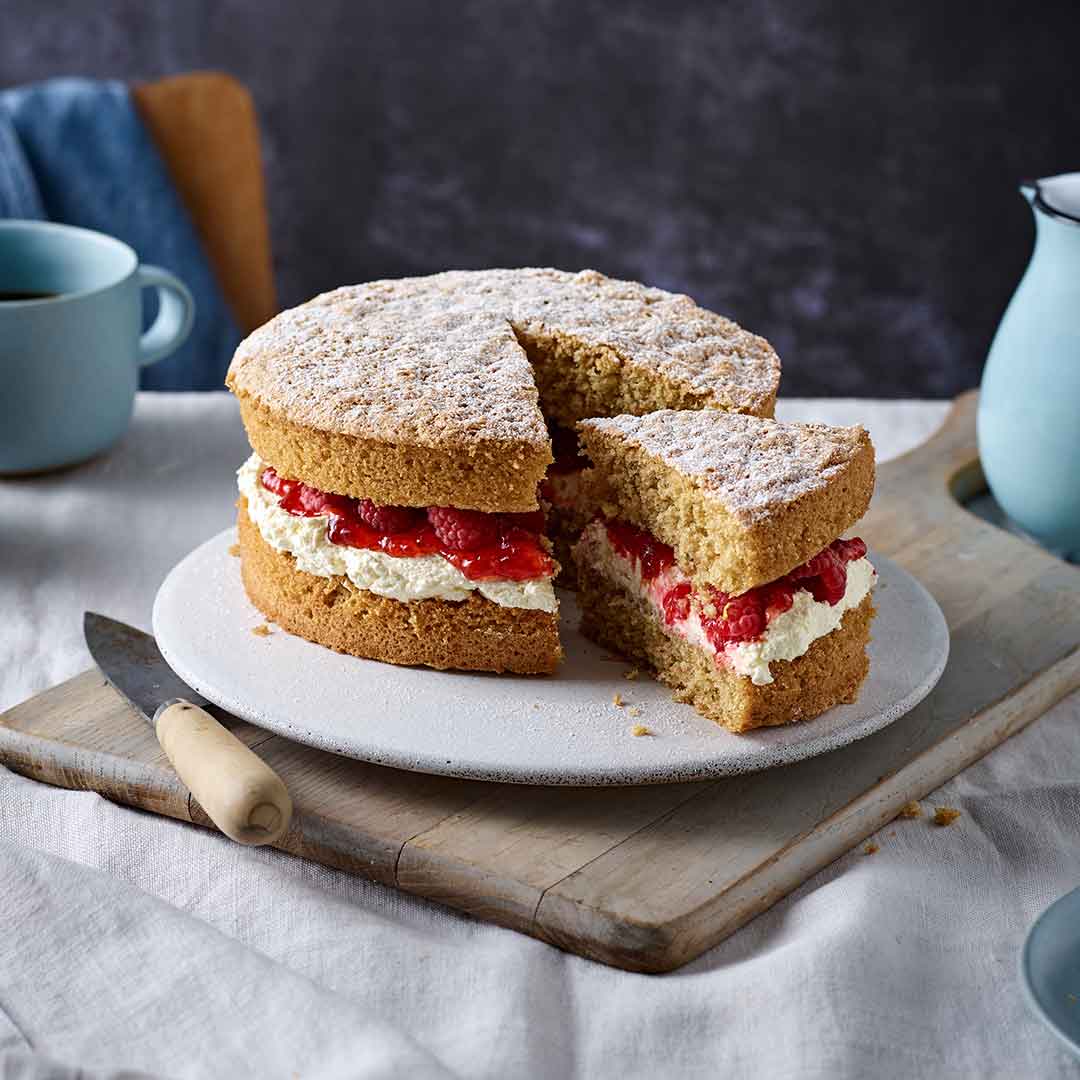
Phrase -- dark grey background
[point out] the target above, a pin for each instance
(840, 177)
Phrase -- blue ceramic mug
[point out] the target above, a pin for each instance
(71, 340)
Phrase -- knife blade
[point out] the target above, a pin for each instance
(240, 793)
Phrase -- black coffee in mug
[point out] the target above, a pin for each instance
(7, 296)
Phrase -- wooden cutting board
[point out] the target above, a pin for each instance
(648, 878)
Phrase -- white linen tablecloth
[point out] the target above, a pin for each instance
(132, 945)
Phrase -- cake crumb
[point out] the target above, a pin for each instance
(635, 711)
(945, 815)
(910, 810)
(617, 701)
(631, 675)
(262, 630)
(234, 550)
(640, 729)
(871, 849)
(1071, 999)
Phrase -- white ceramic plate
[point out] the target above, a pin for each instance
(561, 729)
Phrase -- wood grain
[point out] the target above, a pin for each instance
(648, 878)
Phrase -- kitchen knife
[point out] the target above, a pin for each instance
(242, 795)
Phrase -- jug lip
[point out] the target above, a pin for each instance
(1040, 202)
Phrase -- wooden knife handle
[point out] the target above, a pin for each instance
(242, 795)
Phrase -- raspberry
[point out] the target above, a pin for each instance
(831, 584)
(302, 500)
(849, 550)
(777, 596)
(308, 502)
(676, 603)
(738, 618)
(386, 519)
(744, 616)
(463, 530)
(822, 560)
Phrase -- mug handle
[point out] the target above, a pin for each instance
(176, 314)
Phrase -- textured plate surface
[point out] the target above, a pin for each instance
(1050, 969)
(562, 729)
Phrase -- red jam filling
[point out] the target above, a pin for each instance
(727, 618)
(642, 547)
(484, 547)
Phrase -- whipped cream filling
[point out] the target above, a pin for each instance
(787, 636)
(420, 577)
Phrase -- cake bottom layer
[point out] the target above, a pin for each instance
(473, 635)
(829, 673)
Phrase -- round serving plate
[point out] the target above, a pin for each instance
(560, 729)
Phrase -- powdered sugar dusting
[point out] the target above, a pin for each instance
(434, 378)
(435, 359)
(755, 467)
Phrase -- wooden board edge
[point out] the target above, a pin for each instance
(129, 782)
(952, 445)
(473, 890)
(662, 946)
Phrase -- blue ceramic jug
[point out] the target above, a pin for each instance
(1029, 406)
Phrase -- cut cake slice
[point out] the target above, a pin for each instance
(716, 559)
(741, 499)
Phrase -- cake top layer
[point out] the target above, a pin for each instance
(436, 361)
(742, 500)
(755, 467)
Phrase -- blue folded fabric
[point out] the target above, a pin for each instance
(76, 151)
(19, 195)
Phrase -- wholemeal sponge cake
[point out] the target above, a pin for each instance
(435, 390)
(716, 559)
(401, 431)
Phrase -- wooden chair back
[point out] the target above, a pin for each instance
(204, 125)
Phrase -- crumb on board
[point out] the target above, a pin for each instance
(234, 550)
(1071, 999)
(536, 704)
(635, 711)
(945, 815)
(262, 630)
(640, 729)
(871, 849)
(910, 810)
(617, 701)
(631, 675)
